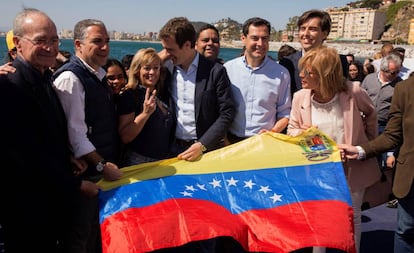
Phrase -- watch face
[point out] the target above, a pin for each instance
(100, 167)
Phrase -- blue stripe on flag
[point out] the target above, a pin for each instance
(237, 191)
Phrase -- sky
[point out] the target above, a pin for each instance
(138, 16)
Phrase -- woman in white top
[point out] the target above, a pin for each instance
(343, 111)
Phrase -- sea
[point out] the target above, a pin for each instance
(119, 49)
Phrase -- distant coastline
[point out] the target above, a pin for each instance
(357, 49)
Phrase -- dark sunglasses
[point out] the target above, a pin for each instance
(391, 72)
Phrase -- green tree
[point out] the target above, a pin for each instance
(373, 4)
(291, 26)
(393, 10)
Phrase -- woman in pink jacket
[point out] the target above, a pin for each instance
(341, 110)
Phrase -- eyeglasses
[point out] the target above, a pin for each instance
(391, 72)
(308, 73)
(43, 42)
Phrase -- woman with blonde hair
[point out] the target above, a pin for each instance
(145, 119)
(343, 111)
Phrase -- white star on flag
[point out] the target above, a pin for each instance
(232, 181)
(264, 189)
(186, 194)
(216, 183)
(276, 197)
(201, 187)
(249, 184)
(190, 188)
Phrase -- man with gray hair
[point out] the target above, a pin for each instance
(380, 87)
(89, 106)
(37, 159)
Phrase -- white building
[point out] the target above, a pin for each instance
(361, 24)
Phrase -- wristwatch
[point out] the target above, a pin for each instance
(203, 148)
(361, 153)
(100, 166)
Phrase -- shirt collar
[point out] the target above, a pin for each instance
(266, 59)
(100, 74)
(194, 63)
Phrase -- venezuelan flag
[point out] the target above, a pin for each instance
(271, 193)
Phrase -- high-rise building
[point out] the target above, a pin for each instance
(411, 32)
(359, 24)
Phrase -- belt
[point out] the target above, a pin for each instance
(184, 143)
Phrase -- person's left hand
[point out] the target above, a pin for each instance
(390, 161)
(192, 153)
(150, 102)
(111, 172)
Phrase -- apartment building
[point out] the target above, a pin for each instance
(411, 33)
(360, 24)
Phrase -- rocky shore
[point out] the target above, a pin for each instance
(359, 50)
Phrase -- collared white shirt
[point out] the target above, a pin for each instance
(262, 95)
(183, 93)
(72, 96)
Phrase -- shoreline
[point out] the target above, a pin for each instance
(357, 49)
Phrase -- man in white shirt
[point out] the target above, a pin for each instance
(92, 123)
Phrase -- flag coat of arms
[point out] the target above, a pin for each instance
(270, 192)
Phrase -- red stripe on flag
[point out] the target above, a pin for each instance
(178, 221)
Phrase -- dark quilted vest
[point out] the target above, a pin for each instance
(100, 111)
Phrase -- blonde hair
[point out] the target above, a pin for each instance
(326, 63)
(377, 55)
(141, 58)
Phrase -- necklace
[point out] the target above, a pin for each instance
(327, 105)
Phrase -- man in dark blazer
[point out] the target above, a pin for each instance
(398, 131)
(200, 91)
(36, 157)
(314, 27)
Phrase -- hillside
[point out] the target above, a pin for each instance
(397, 26)
(399, 16)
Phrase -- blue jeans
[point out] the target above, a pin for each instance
(404, 235)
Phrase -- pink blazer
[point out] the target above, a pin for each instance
(357, 129)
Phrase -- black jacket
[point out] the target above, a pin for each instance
(36, 154)
(213, 103)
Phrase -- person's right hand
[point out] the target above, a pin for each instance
(163, 55)
(89, 188)
(348, 151)
(7, 68)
